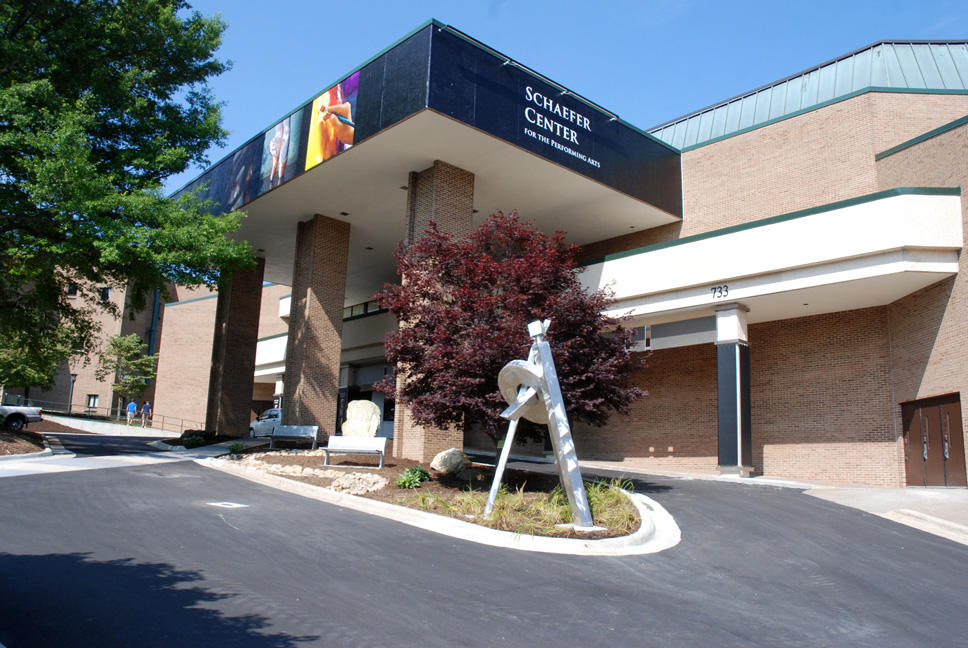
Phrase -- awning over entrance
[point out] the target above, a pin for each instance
(859, 253)
(530, 144)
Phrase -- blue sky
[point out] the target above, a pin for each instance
(648, 61)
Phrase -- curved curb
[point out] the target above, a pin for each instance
(57, 447)
(52, 446)
(658, 531)
(46, 452)
(161, 445)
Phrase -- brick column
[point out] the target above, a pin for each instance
(233, 352)
(316, 324)
(443, 194)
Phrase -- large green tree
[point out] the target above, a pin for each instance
(125, 363)
(100, 101)
(32, 359)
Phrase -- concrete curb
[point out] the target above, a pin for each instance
(658, 531)
(206, 452)
(56, 447)
(772, 482)
(52, 446)
(46, 452)
(929, 524)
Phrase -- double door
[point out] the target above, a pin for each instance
(934, 447)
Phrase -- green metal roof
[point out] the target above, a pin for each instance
(916, 66)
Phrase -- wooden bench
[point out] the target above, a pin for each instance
(356, 445)
(294, 433)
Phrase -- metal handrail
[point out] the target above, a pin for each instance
(107, 414)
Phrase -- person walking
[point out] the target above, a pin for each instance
(145, 413)
(132, 409)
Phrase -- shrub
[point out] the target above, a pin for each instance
(236, 448)
(194, 441)
(412, 477)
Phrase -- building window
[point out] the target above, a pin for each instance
(72, 290)
(105, 294)
(92, 401)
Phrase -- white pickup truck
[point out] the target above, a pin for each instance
(16, 418)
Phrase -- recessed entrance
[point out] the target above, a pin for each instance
(934, 447)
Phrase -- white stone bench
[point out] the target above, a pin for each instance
(356, 445)
(294, 433)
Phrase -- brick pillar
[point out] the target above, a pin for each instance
(443, 194)
(316, 324)
(233, 352)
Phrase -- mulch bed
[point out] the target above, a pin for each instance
(30, 439)
(446, 487)
(50, 426)
(23, 442)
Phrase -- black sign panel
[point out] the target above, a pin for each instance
(500, 98)
(435, 68)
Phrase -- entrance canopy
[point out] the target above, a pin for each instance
(438, 95)
(858, 253)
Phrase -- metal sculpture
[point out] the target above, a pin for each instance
(532, 392)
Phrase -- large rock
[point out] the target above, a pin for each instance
(362, 419)
(450, 461)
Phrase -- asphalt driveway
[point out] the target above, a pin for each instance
(162, 555)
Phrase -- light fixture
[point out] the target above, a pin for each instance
(344, 213)
(369, 247)
(70, 399)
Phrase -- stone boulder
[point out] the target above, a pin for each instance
(450, 462)
(362, 419)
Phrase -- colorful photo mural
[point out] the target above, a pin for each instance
(280, 151)
(331, 126)
(468, 84)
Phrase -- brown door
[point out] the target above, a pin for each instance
(954, 440)
(934, 449)
(933, 444)
(913, 444)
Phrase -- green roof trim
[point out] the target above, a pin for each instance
(273, 337)
(918, 66)
(818, 106)
(850, 202)
(188, 301)
(920, 138)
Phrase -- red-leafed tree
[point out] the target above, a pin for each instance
(464, 305)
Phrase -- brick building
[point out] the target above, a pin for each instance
(792, 255)
(89, 394)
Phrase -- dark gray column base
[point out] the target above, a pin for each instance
(739, 471)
